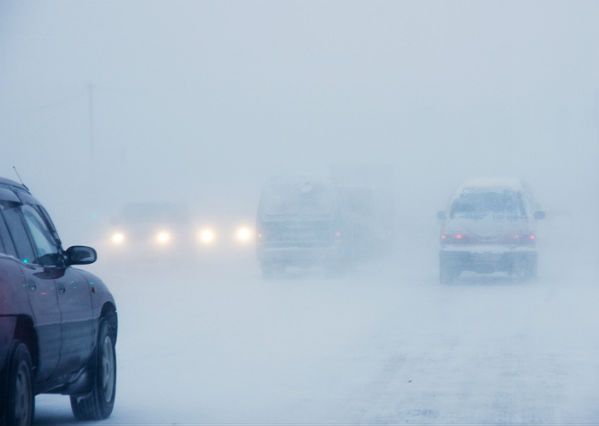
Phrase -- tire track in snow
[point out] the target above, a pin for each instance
(438, 389)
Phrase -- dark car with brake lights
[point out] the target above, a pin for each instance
(306, 222)
(298, 225)
(58, 324)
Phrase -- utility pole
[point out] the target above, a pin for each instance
(90, 100)
(596, 114)
(92, 188)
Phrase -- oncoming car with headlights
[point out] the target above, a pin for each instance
(149, 227)
(226, 236)
(489, 226)
(157, 228)
(58, 324)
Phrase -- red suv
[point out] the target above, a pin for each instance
(58, 324)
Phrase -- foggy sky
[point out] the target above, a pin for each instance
(203, 100)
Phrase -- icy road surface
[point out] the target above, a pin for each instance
(387, 344)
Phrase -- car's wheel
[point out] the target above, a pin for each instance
(335, 268)
(17, 395)
(98, 404)
(532, 269)
(448, 272)
(271, 270)
(525, 269)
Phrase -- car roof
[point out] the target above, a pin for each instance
(151, 210)
(13, 184)
(492, 184)
(12, 191)
(295, 181)
(292, 179)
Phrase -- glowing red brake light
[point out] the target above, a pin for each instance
(522, 238)
(453, 237)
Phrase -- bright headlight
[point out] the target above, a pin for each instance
(163, 237)
(118, 238)
(207, 236)
(244, 234)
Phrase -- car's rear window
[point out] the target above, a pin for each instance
(294, 199)
(479, 204)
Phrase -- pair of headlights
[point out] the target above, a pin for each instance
(205, 236)
(242, 235)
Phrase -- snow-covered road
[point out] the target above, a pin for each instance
(214, 343)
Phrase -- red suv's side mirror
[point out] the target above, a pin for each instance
(81, 255)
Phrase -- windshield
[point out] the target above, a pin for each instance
(478, 205)
(298, 199)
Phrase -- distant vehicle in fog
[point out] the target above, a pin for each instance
(311, 222)
(369, 202)
(298, 224)
(151, 227)
(155, 228)
(58, 324)
(489, 226)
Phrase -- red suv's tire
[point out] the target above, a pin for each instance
(98, 404)
(17, 397)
